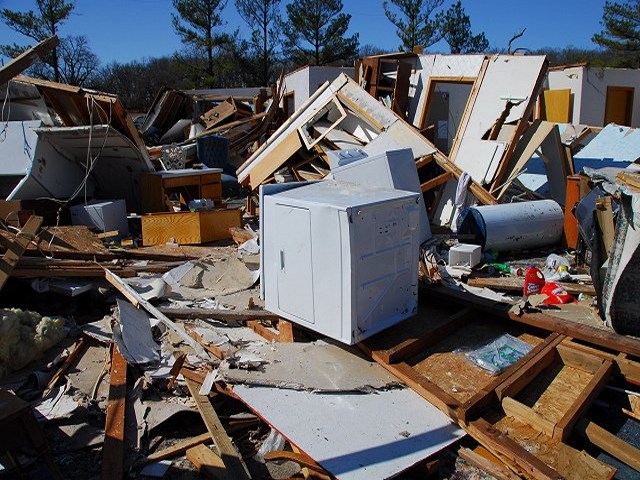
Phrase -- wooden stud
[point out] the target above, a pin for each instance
(207, 463)
(26, 58)
(230, 456)
(578, 359)
(584, 401)
(436, 182)
(176, 449)
(113, 448)
(79, 347)
(608, 442)
(523, 376)
(525, 414)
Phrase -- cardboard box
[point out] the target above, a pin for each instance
(189, 227)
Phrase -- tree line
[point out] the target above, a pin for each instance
(311, 32)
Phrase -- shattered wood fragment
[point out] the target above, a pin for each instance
(284, 329)
(175, 369)
(137, 300)
(207, 463)
(17, 248)
(230, 456)
(26, 58)
(113, 448)
(79, 347)
(488, 463)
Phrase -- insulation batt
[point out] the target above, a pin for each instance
(24, 336)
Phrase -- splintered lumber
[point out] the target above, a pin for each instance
(207, 462)
(516, 284)
(503, 447)
(26, 58)
(608, 442)
(177, 449)
(137, 300)
(79, 347)
(230, 456)
(113, 448)
(30, 267)
(222, 315)
(487, 462)
(17, 248)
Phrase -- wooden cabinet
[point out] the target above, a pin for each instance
(190, 184)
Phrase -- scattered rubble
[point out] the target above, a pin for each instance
(418, 272)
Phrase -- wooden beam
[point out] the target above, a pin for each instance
(113, 448)
(608, 442)
(207, 463)
(525, 414)
(27, 58)
(176, 449)
(230, 456)
(436, 182)
(521, 378)
(478, 190)
(222, 315)
(583, 402)
(17, 247)
(414, 345)
(483, 399)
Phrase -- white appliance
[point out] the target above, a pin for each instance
(391, 169)
(339, 258)
(105, 215)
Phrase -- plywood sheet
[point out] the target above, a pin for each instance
(557, 105)
(355, 436)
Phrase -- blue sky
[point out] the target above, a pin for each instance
(125, 30)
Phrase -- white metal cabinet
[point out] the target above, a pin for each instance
(339, 258)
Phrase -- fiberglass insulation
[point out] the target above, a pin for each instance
(24, 336)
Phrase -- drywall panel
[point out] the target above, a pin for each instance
(487, 153)
(614, 146)
(508, 84)
(17, 144)
(355, 436)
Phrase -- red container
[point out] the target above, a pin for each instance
(533, 281)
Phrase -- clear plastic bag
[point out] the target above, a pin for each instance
(499, 354)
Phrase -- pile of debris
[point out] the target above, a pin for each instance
(417, 275)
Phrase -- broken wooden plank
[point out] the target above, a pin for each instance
(222, 315)
(525, 414)
(113, 448)
(300, 458)
(26, 58)
(137, 300)
(79, 347)
(17, 248)
(490, 465)
(230, 456)
(608, 442)
(176, 449)
(207, 463)
(516, 284)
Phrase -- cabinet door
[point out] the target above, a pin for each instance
(295, 274)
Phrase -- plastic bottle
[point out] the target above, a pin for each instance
(533, 281)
